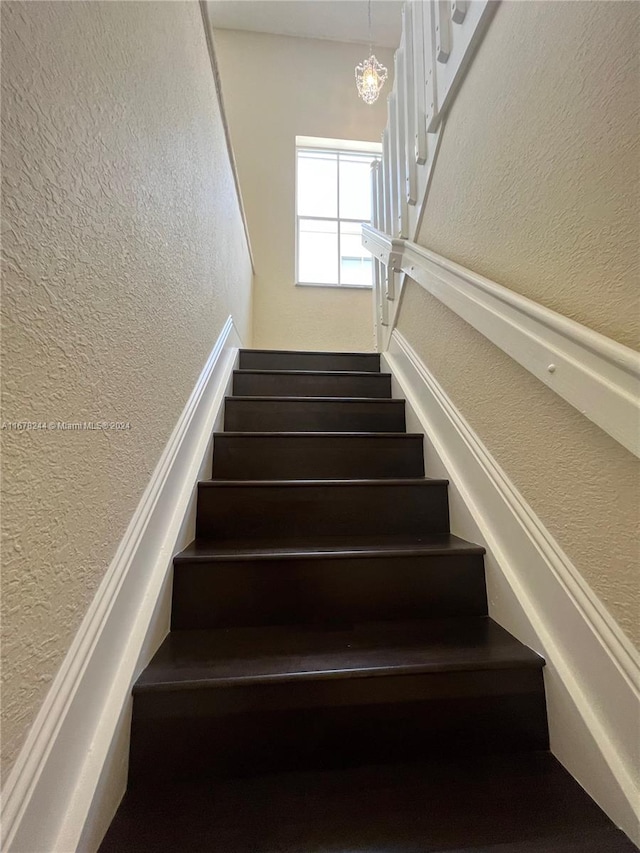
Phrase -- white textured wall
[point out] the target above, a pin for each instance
(537, 180)
(582, 484)
(276, 88)
(536, 186)
(124, 253)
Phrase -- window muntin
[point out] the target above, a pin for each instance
(333, 199)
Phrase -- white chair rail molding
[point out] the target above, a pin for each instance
(596, 375)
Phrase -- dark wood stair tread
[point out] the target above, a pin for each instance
(374, 401)
(519, 803)
(425, 482)
(257, 412)
(317, 383)
(356, 373)
(372, 355)
(320, 434)
(316, 455)
(308, 360)
(309, 547)
(231, 509)
(306, 652)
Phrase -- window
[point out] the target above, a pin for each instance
(333, 199)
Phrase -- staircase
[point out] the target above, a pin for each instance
(332, 681)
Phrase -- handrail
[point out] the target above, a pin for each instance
(597, 375)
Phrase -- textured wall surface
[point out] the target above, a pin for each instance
(276, 88)
(124, 253)
(582, 484)
(536, 184)
(536, 187)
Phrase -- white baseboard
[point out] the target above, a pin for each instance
(81, 733)
(592, 676)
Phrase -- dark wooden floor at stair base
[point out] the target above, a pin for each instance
(332, 682)
(523, 803)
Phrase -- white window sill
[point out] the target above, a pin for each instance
(335, 286)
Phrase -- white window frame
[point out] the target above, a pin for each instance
(330, 146)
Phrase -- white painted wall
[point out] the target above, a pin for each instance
(276, 88)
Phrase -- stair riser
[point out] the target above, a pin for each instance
(376, 385)
(273, 360)
(298, 591)
(313, 416)
(336, 722)
(233, 512)
(316, 457)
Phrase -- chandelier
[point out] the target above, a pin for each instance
(370, 74)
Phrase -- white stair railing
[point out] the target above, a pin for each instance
(437, 42)
(596, 375)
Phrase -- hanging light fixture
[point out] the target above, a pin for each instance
(370, 74)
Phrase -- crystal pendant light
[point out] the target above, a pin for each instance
(370, 74)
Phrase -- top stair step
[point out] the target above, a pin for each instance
(257, 359)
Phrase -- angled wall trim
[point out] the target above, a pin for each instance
(208, 32)
(596, 375)
(49, 794)
(593, 671)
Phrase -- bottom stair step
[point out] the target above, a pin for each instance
(522, 803)
(247, 700)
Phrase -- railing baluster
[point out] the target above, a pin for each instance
(379, 201)
(376, 271)
(443, 31)
(374, 194)
(402, 209)
(393, 166)
(386, 181)
(432, 108)
(390, 286)
(409, 106)
(437, 38)
(458, 11)
(419, 117)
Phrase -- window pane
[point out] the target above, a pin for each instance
(355, 260)
(317, 251)
(317, 184)
(355, 187)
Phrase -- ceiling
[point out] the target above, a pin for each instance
(336, 20)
